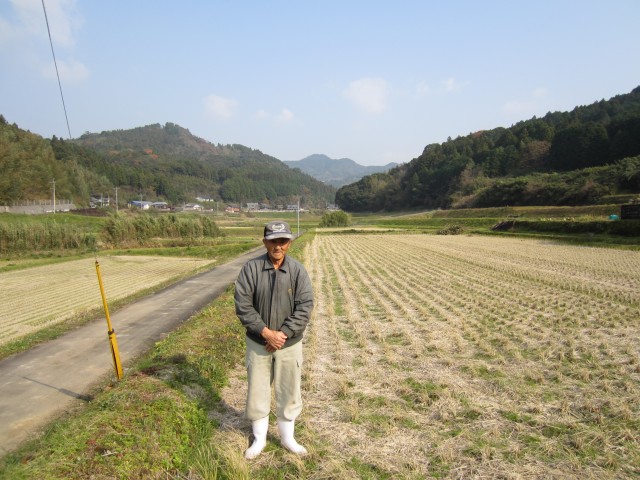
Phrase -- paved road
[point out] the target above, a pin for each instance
(44, 381)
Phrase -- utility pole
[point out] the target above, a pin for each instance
(116, 199)
(298, 216)
(54, 195)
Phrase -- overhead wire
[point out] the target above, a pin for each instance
(57, 73)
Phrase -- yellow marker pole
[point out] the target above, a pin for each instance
(112, 334)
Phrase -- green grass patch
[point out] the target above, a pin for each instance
(420, 395)
(517, 417)
(367, 471)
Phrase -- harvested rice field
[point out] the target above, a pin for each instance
(467, 357)
(37, 297)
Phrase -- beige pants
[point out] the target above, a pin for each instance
(282, 369)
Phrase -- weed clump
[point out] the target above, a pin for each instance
(451, 229)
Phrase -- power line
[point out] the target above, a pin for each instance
(56, 65)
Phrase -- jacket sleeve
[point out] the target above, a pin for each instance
(243, 297)
(295, 324)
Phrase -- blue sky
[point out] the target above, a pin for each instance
(374, 81)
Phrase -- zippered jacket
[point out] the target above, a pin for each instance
(281, 299)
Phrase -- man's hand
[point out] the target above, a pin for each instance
(275, 339)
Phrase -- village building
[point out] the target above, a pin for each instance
(142, 205)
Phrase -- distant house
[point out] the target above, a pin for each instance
(232, 209)
(99, 201)
(161, 205)
(140, 204)
(293, 207)
(192, 207)
(253, 206)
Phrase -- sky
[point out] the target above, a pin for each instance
(374, 81)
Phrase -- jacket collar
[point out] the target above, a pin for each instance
(269, 266)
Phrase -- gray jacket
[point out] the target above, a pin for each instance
(280, 299)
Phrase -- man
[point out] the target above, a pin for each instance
(274, 299)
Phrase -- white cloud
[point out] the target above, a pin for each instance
(260, 114)
(27, 26)
(451, 84)
(284, 116)
(422, 89)
(219, 106)
(368, 94)
(62, 16)
(71, 71)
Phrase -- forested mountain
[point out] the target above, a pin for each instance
(153, 162)
(563, 158)
(28, 167)
(335, 172)
(172, 163)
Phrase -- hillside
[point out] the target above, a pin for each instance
(585, 156)
(178, 166)
(28, 167)
(153, 162)
(336, 172)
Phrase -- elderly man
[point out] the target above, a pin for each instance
(274, 299)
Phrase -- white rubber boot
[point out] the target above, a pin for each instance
(286, 428)
(260, 429)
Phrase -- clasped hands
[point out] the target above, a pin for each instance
(275, 339)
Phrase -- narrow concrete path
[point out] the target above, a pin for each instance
(42, 382)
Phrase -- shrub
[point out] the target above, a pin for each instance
(335, 219)
(121, 229)
(49, 235)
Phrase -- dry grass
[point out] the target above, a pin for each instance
(466, 357)
(41, 296)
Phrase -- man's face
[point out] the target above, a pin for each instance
(277, 248)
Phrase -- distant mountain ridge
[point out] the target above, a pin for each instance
(336, 172)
